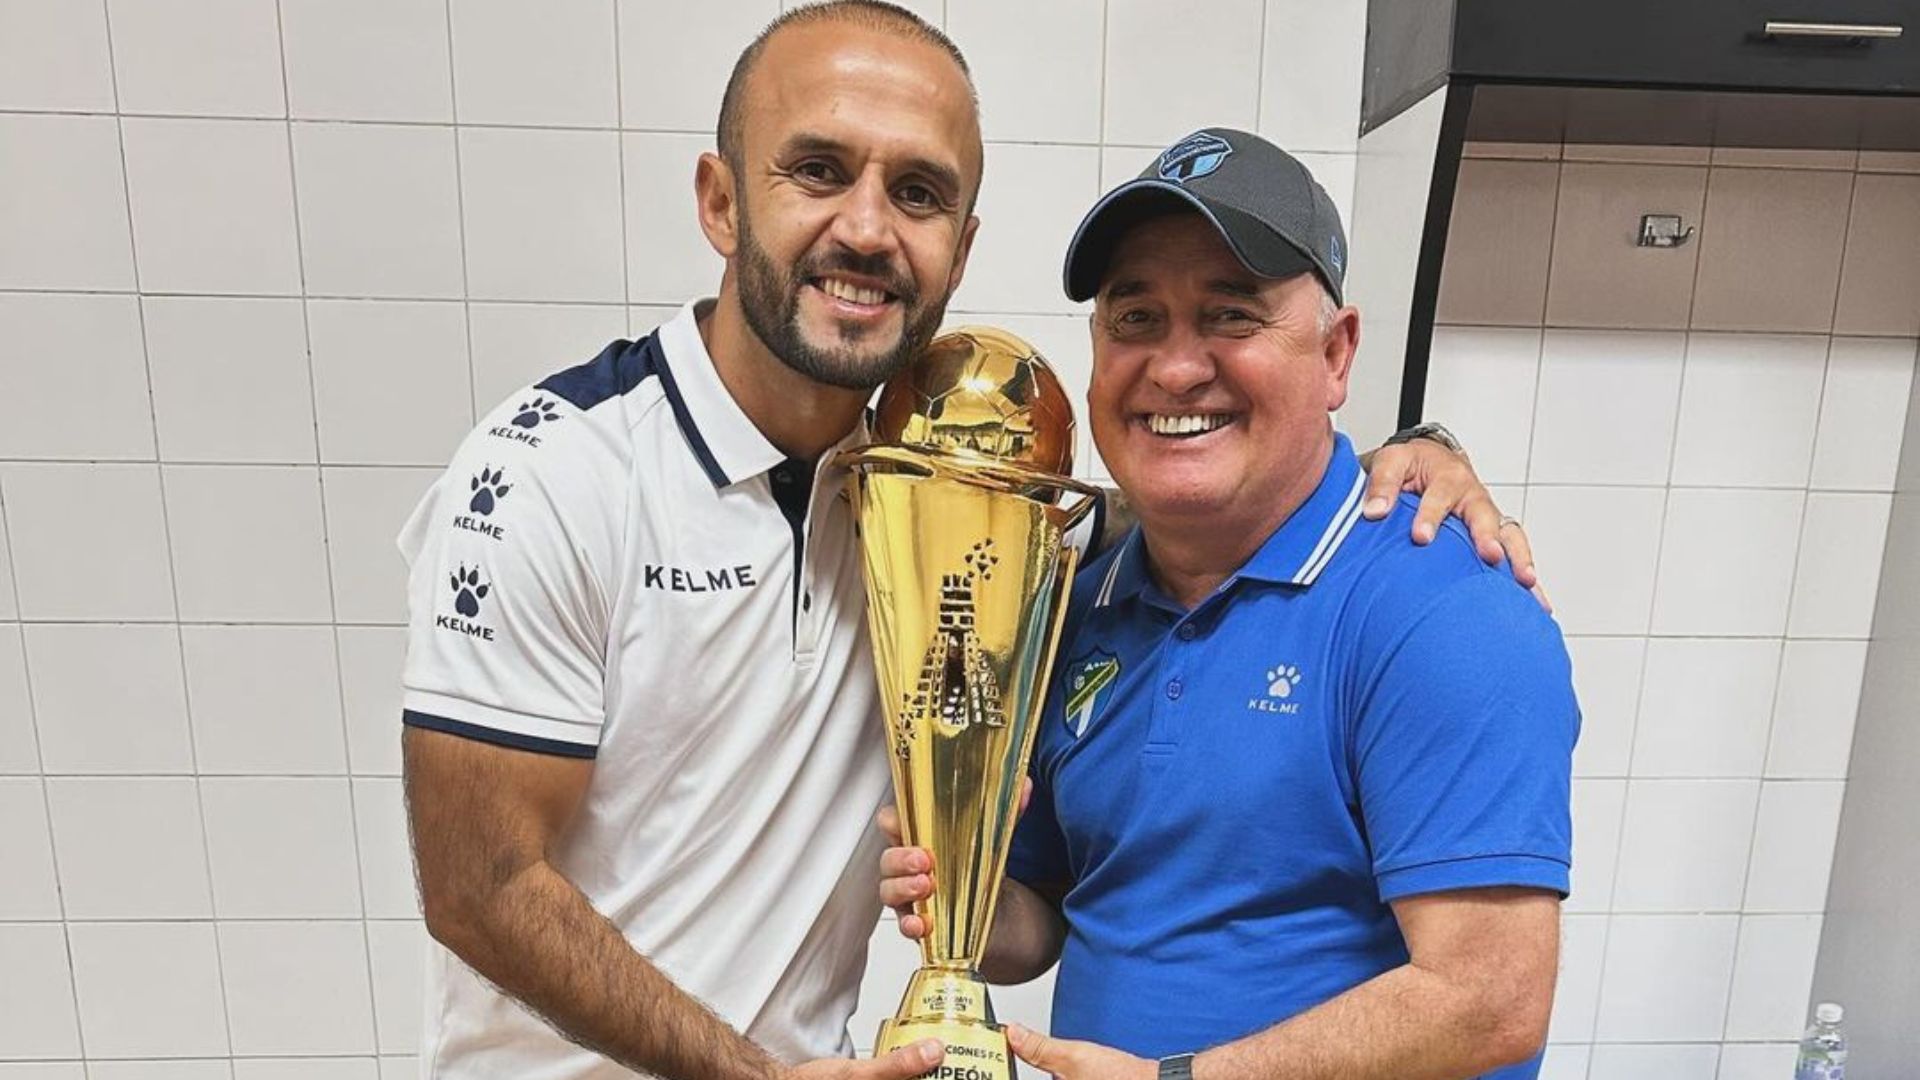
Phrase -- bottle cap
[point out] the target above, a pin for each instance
(1828, 1013)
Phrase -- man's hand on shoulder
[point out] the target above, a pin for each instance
(1446, 483)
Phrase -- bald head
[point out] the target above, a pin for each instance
(875, 15)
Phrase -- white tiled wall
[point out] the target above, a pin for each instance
(261, 264)
(1702, 441)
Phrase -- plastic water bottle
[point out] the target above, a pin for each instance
(1823, 1049)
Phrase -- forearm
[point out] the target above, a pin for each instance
(1027, 935)
(1407, 1024)
(536, 937)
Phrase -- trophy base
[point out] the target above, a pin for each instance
(973, 1052)
(951, 1006)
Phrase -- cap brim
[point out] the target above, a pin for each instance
(1259, 248)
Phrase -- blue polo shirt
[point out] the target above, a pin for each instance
(1230, 797)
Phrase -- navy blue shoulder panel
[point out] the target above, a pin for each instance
(620, 367)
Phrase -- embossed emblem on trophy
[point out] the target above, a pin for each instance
(963, 502)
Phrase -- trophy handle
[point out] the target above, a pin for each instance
(979, 470)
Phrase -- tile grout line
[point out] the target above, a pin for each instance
(326, 539)
(1596, 328)
(287, 774)
(1665, 778)
(390, 298)
(353, 121)
(1826, 376)
(311, 624)
(460, 212)
(53, 848)
(513, 126)
(284, 465)
(1540, 352)
(1106, 47)
(46, 795)
(1076, 311)
(1260, 83)
(620, 149)
(197, 623)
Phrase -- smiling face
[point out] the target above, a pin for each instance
(860, 158)
(1212, 386)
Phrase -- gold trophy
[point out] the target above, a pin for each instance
(960, 516)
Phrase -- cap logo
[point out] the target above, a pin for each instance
(1193, 157)
(1334, 255)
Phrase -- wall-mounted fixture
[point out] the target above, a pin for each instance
(1663, 231)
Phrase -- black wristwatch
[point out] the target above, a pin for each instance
(1177, 1067)
(1430, 431)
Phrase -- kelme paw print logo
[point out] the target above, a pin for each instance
(469, 590)
(532, 413)
(487, 491)
(1281, 680)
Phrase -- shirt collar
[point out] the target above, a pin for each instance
(727, 443)
(1305, 543)
(1295, 554)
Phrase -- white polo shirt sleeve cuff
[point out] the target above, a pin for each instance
(539, 734)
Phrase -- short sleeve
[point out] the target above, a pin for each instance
(512, 563)
(1463, 740)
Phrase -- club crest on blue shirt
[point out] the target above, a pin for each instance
(1090, 678)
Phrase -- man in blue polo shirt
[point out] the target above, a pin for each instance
(1300, 802)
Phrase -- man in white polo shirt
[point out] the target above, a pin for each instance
(641, 755)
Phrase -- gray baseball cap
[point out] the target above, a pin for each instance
(1269, 209)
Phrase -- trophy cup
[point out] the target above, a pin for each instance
(960, 519)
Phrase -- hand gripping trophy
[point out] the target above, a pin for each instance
(961, 525)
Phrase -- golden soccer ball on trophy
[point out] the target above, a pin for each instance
(980, 391)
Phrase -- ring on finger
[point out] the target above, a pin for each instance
(1509, 519)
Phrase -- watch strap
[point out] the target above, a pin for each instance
(1430, 431)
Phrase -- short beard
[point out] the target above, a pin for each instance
(771, 302)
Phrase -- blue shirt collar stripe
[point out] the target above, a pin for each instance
(1335, 535)
(1113, 571)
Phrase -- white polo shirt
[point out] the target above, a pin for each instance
(606, 571)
